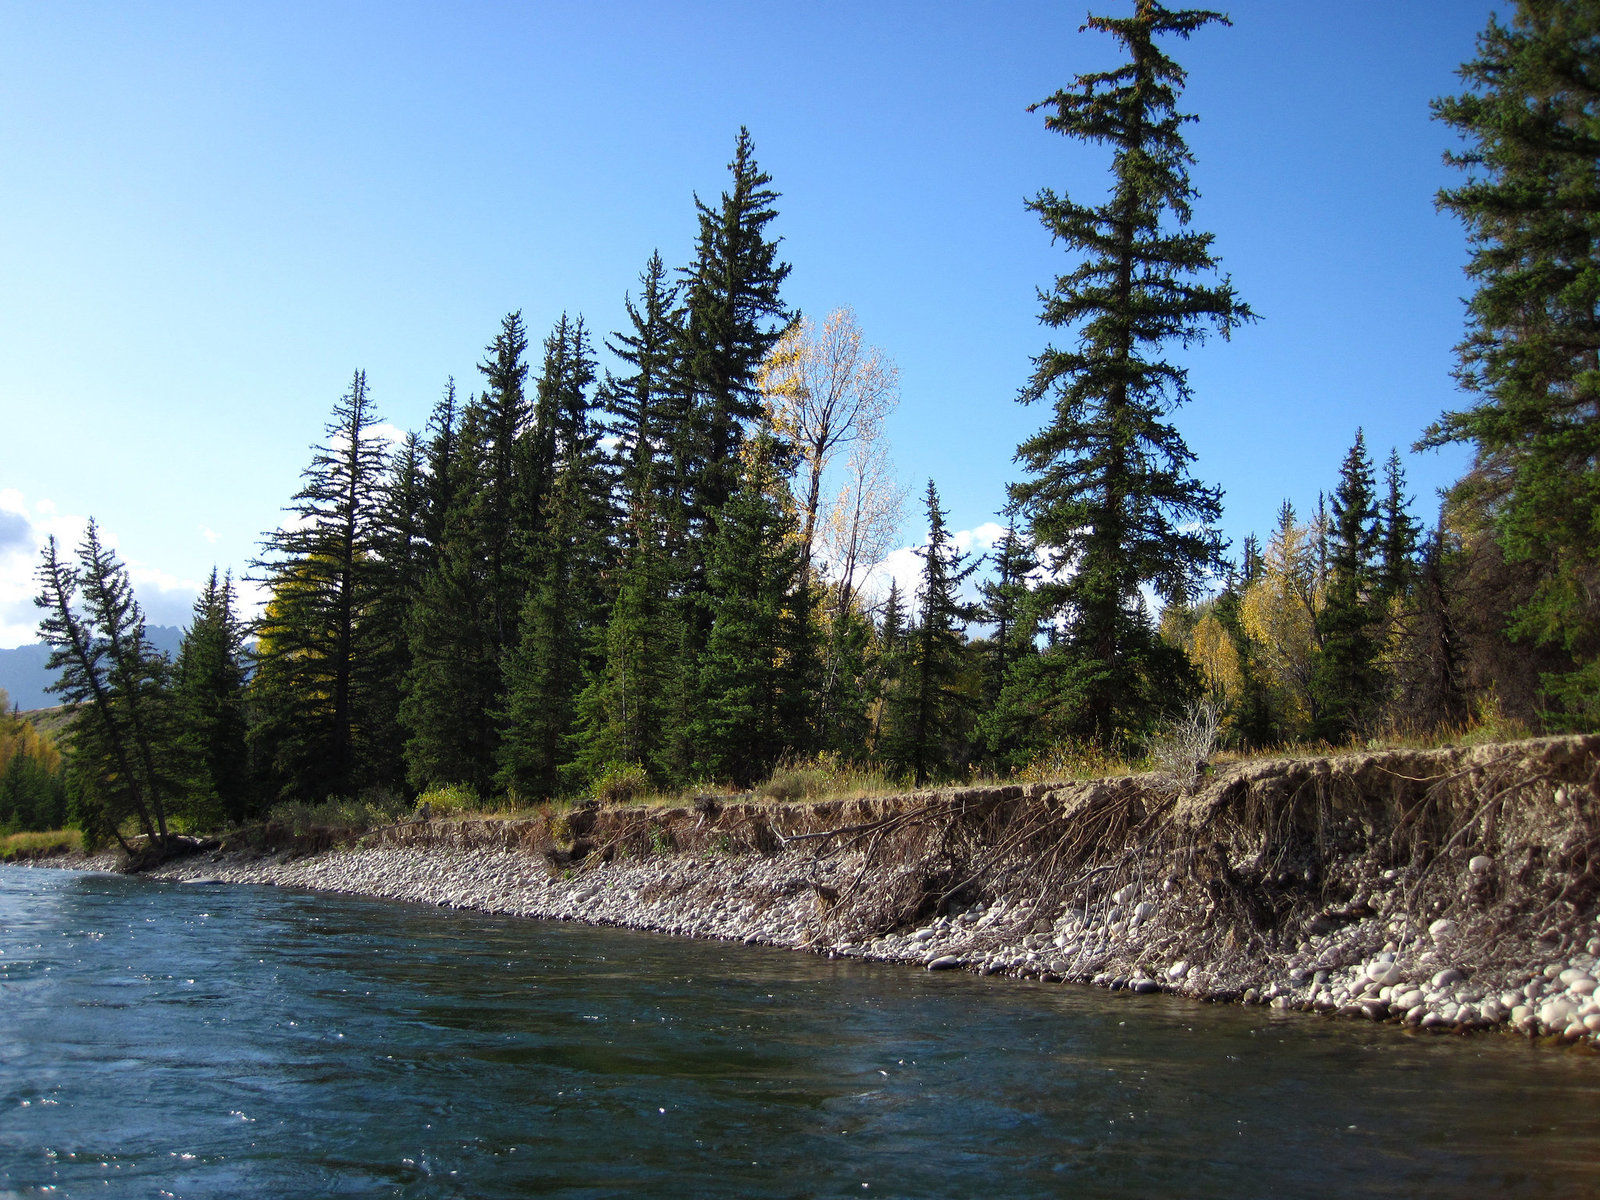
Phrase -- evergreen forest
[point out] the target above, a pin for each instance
(640, 560)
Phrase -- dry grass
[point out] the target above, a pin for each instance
(39, 844)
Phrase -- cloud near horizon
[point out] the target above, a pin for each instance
(24, 530)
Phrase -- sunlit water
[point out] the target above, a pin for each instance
(198, 1041)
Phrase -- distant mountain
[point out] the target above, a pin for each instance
(24, 677)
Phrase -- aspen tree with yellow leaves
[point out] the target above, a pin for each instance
(826, 389)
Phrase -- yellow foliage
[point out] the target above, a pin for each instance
(19, 738)
(1279, 614)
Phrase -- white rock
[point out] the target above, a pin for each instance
(1123, 895)
(1408, 999)
(1480, 863)
(1383, 973)
(1145, 911)
(1446, 977)
(1442, 929)
(1556, 1013)
(1592, 1022)
(1177, 970)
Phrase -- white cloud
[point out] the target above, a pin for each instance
(392, 434)
(904, 566)
(25, 528)
(209, 534)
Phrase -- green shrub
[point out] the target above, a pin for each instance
(621, 784)
(445, 800)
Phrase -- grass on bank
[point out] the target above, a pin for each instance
(818, 778)
(16, 847)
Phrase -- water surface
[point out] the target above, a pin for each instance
(193, 1041)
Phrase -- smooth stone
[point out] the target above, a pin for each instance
(1409, 1000)
(1479, 863)
(944, 962)
(1145, 911)
(1447, 976)
(1442, 929)
(1144, 987)
(1177, 970)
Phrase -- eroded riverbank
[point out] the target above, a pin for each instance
(1452, 889)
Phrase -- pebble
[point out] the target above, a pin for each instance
(1479, 864)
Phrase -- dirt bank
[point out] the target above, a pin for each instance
(1452, 888)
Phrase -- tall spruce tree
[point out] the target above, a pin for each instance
(1348, 678)
(1531, 205)
(568, 559)
(321, 570)
(931, 711)
(733, 314)
(453, 684)
(760, 657)
(210, 681)
(512, 480)
(127, 759)
(1110, 500)
(1398, 532)
(645, 407)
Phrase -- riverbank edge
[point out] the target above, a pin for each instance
(1453, 890)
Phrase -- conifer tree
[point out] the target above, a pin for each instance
(760, 656)
(321, 570)
(1110, 500)
(1008, 605)
(453, 684)
(624, 710)
(1531, 117)
(647, 406)
(439, 467)
(734, 314)
(1397, 532)
(568, 559)
(1348, 678)
(127, 755)
(512, 481)
(210, 681)
(932, 711)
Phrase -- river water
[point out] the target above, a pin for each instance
(208, 1041)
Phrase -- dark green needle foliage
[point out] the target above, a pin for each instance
(322, 569)
(760, 656)
(210, 679)
(1348, 680)
(1531, 206)
(128, 760)
(1109, 496)
(931, 710)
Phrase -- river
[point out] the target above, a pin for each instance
(170, 1040)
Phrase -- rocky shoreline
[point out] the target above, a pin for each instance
(1445, 890)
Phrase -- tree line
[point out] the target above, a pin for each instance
(574, 573)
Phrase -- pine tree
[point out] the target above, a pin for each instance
(210, 681)
(321, 570)
(760, 658)
(1531, 206)
(568, 558)
(623, 711)
(733, 316)
(512, 480)
(646, 406)
(1397, 532)
(1111, 501)
(931, 711)
(453, 684)
(1348, 679)
(127, 756)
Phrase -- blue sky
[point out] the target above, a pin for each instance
(211, 215)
